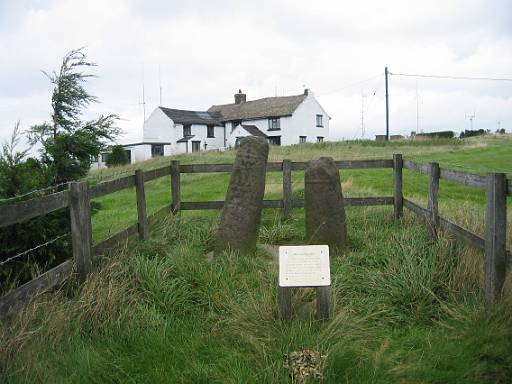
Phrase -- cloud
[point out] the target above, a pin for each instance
(207, 50)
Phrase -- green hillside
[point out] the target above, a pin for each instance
(406, 310)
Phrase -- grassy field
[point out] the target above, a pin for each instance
(406, 310)
(475, 155)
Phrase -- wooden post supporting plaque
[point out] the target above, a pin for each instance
(304, 266)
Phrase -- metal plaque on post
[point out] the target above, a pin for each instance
(304, 266)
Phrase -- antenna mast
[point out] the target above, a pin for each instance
(417, 108)
(143, 102)
(362, 115)
(471, 118)
(160, 84)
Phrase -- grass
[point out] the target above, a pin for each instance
(405, 309)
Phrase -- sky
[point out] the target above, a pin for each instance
(201, 52)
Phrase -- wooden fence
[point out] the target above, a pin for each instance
(494, 242)
(79, 195)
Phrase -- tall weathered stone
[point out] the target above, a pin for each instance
(241, 214)
(325, 211)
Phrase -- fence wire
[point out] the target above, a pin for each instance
(9, 259)
(54, 188)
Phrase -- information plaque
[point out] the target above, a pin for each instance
(304, 266)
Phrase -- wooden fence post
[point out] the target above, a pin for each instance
(398, 197)
(175, 186)
(433, 195)
(287, 189)
(141, 204)
(495, 235)
(80, 214)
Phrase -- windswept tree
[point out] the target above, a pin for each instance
(68, 142)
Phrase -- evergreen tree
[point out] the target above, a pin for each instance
(68, 142)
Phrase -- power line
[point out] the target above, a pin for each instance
(452, 77)
(348, 86)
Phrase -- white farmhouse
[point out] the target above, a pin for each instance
(283, 120)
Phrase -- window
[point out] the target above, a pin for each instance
(196, 146)
(302, 139)
(187, 131)
(104, 157)
(129, 155)
(274, 140)
(210, 131)
(319, 120)
(274, 124)
(157, 150)
(319, 139)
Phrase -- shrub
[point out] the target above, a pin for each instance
(440, 134)
(118, 156)
(470, 133)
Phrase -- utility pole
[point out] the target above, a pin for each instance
(387, 103)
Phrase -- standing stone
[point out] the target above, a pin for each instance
(241, 214)
(325, 211)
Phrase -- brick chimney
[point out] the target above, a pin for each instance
(240, 97)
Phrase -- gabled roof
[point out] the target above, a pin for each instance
(258, 109)
(180, 116)
(253, 130)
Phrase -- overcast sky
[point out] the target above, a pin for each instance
(207, 50)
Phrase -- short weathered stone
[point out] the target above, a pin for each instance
(324, 208)
(241, 214)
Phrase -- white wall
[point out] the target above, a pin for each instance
(199, 131)
(159, 128)
(238, 132)
(303, 123)
(262, 125)
(140, 153)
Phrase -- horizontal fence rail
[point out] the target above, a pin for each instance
(78, 198)
(295, 166)
(26, 210)
(463, 178)
(496, 187)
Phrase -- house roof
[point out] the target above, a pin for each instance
(146, 143)
(185, 139)
(253, 130)
(261, 108)
(180, 116)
